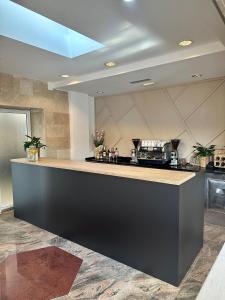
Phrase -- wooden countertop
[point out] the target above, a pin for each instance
(139, 173)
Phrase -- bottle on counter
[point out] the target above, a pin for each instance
(113, 154)
(116, 154)
(109, 156)
(104, 154)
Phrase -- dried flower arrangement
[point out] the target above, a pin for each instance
(98, 138)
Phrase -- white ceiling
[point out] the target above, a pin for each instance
(134, 33)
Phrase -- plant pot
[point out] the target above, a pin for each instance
(32, 154)
(203, 161)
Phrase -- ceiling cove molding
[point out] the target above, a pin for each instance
(180, 55)
(220, 5)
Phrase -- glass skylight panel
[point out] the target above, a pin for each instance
(24, 25)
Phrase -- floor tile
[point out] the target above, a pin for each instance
(44, 273)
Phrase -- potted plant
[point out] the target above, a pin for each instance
(34, 142)
(203, 153)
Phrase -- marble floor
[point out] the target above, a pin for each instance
(215, 217)
(102, 278)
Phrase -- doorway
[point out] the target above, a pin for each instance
(14, 125)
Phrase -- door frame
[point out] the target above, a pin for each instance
(19, 111)
(28, 124)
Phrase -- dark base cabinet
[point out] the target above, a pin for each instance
(153, 227)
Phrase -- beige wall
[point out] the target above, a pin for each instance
(49, 110)
(191, 112)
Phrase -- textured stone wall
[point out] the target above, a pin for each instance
(49, 110)
(191, 112)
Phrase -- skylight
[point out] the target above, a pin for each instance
(24, 25)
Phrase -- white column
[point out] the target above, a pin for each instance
(82, 124)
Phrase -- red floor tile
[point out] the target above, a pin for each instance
(42, 274)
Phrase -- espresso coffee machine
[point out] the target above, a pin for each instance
(174, 153)
(154, 152)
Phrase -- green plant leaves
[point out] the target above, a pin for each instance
(201, 151)
(33, 141)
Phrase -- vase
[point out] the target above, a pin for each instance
(203, 161)
(97, 151)
(32, 154)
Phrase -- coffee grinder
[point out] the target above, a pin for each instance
(134, 152)
(174, 153)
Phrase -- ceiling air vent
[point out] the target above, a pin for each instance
(140, 81)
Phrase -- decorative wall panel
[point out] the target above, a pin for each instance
(190, 112)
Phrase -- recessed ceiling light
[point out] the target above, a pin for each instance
(110, 64)
(185, 43)
(65, 75)
(196, 75)
(149, 83)
(100, 92)
(74, 82)
(128, 0)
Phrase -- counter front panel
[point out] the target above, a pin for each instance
(144, 224)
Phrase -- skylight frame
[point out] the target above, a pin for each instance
(26, 26)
